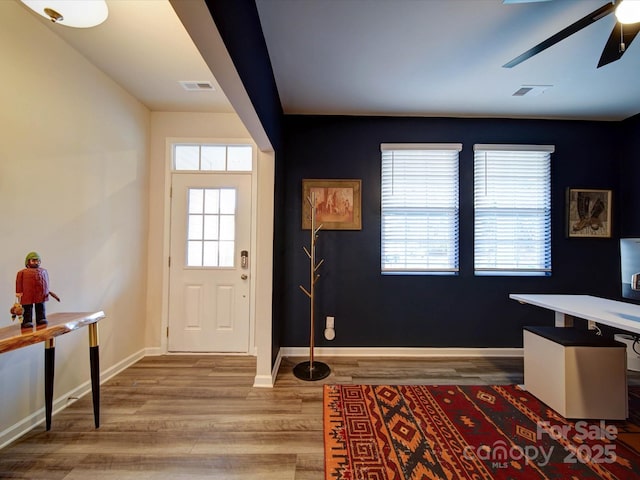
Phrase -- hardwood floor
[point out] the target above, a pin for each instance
(198, 417)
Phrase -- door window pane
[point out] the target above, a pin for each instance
(227, 201)
(210, 255)
(211, 227)
(195, 200)
(211, 230)
(194, 253)
(195, 227)
(226, 254)
(227, 227)
(212, 201)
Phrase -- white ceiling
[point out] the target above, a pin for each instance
(382, 57)
(143, 47)
(444, 57)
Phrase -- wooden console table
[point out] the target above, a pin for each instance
(13, 337)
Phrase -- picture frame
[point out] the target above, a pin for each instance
(338, 204)
(588, 213)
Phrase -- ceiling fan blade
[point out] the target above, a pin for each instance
(562, 34)
(611, 51)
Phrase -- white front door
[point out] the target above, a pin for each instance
(209, 281)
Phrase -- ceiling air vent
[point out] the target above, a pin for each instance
(192, 86)
(531, 90)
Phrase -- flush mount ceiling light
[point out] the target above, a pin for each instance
(72, 13)
(628, 11)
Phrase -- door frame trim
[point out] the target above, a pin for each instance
(164, 344)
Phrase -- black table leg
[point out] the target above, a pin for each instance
(94, 358)
(49, 368)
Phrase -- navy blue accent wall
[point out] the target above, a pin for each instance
(401, 311)
(373, 310)
(630, 179)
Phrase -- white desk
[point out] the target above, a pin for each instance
(622, 315)
(579, 382)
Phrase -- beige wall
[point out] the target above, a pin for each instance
(73, 186)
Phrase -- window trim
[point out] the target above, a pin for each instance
(454, 242)
(512, 270)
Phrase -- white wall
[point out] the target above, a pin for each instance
(74, 187)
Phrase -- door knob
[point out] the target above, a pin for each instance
(244, 276)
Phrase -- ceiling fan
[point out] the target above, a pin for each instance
(621, 36)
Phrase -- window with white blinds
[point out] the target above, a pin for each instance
(419, 221)
(512, 206)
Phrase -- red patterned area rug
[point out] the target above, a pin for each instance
(409, 432)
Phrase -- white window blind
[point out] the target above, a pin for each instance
(419, 205)
(512, 202)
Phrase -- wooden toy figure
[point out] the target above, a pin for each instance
(32, 288)
(17, 310)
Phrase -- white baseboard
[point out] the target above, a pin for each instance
(386, 352)
(154, 352)
(263, 381)
(400, 352)
(15, 431)
(268, 381)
